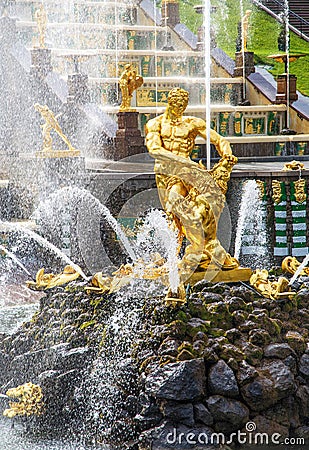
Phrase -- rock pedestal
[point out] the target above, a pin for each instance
(78, 88)
(283, 89)
(41, 62)
(129, 140)
(244, 64)
(170, 13)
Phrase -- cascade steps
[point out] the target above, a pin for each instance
(298, 13)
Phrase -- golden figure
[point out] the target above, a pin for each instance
(30, 401)
(129, 81)
(294, 165)
(291, 265)
(151, 270)
(40, 17)
(270, 289)
(300, 190)
(51, 123)
(49, 280)
(277, 192)
(245, 29)
(192, 197)
(261, 187)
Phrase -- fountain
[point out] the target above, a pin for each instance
(150, 337)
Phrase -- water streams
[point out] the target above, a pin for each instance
(156, 235)
(70, 194)
(207, 47)
(251, 236)
(15, 259)
(155, 228)
(13, 227)
(300, 268)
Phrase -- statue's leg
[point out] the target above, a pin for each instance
(169, 189)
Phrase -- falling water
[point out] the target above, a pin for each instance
(251, 234)
(15, 259)
(300, 268)
(7, 226)
(207, 46)
(157, 235)
(77, 195)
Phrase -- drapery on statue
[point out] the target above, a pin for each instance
(129, 81)
(40, 17)
(51, 123)
(192, 197)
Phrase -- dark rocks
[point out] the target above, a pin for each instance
(177, 412)
(253, 353)
(209, 297)
(275, 381)
(303, 433)
(246, 373)
(296, 341)
(302, 396)
(259, 337)
(271, 428)
(222, 381)
(229, 414)
(304, 365)
(241, 291)
(202, 414)
(211, 365)
(72, 359)
(183, 381)
(150, 414)
(179, 437)
(280, 351)
(197, 325)
(169, 347)
(290, 362)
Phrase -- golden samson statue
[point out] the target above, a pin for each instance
(192, 197)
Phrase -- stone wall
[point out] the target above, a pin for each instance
(226, 361)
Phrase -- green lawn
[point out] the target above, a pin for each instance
(263, 36)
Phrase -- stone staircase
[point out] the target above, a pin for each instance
(298, 13)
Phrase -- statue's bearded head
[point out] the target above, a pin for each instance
(178, 101)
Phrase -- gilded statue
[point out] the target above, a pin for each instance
(294, 165)
(40, 17)
(151, 270)
(30, 401)
(49, 280)
(277, 191)
(290, 265)
(192, 197)
(300, 190)
(51, 123)
(129, 81)
(270, 289)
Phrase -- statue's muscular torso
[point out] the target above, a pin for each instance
(177, 136)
